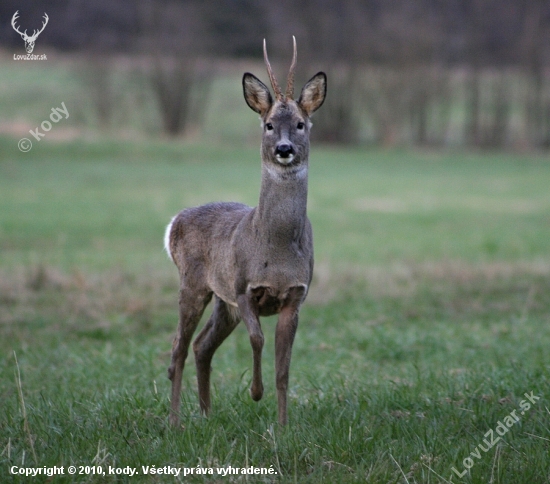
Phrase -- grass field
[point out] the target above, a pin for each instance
(427, 323)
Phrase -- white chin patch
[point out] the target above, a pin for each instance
(285, 161)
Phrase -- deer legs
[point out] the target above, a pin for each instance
(284, 338)
(220, 325)
(248, 307)
(222, 322)
(191, 309)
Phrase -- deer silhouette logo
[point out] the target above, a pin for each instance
(29, 39)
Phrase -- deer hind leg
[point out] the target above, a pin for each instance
(249, 310)
(284, 338)
(221, 324)
(192, 305)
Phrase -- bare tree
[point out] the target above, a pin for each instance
(172, 38)
(97, 73)
(534, 39)
(422, 48)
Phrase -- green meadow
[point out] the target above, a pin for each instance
(426, 325)
(427, 322)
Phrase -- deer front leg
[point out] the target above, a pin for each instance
(248, 308)
(191, 309)
(284, 338)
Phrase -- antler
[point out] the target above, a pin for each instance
(37, 33)
(290, 79)
(289, 94)
(13, 19)
(274, 83)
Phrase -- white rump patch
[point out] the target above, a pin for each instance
(167, 238)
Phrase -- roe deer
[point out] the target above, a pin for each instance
(255, 261)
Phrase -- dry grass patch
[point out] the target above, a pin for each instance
(452, 287)
(84, 300)
(45, 294)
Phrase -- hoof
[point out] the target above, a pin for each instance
(256, 393)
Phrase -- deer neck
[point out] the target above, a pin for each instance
(280, 217)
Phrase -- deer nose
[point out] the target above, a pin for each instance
(284, 150)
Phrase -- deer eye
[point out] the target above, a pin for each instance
(269, 126)
(300, 125)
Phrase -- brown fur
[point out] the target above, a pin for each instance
(254, 261)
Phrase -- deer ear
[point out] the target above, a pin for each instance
(256, 94)
(313, 93)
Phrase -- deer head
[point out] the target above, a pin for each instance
(29, 40)
(285, 121)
